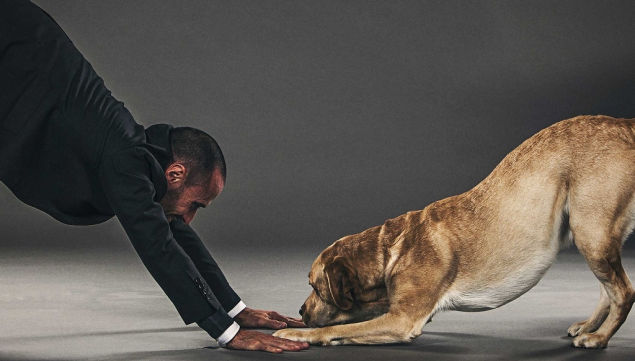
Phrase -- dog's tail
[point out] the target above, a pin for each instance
(565, 235)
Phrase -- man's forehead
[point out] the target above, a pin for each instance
(217, 180)
(213, 189)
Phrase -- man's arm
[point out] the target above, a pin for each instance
(126, 182)
(126, 178)
(187, 238)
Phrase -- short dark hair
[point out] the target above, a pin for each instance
(199, 151)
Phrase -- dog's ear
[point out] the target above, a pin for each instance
(340, 278)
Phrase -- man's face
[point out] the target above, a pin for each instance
(183, 200)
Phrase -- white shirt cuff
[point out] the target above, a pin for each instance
(228, 335)
(237, 309)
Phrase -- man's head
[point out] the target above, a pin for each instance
(195, 174)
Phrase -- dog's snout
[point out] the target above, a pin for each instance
(302, 309)
(306, 319)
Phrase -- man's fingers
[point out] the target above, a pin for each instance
(289, 345)
(294, 322)
(277, 345)
(276, 316)
(272, 349)
(269, 323)
(289, 321)
(277, 324)
(254, 340)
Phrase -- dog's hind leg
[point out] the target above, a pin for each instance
(607, 267)
(596, 319)
(602, 212)
(598, 232)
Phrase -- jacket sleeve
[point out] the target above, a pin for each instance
(187, 238)
(127, 184)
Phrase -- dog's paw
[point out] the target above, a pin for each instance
(310, 336)
(590, 340)
(577, 328)
(294, 335)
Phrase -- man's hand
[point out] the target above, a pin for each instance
(258, 341)
(250, 318)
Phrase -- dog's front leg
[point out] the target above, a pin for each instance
(411, 307)
(387, 328)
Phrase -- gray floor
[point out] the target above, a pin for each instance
(104, 306)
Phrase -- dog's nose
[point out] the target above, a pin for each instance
(302, 310)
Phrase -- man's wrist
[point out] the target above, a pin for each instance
(228, 335)
(240, 306)
(217, 324)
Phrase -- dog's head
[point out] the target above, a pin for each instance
(347, 285)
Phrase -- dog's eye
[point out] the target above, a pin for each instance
(318, 294)
(315, 289)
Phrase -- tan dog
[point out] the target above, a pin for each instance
(573, 181)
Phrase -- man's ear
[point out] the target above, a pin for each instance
(340, 278)
(175, 174)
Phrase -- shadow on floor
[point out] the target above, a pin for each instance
(430, 346)
(102, 333)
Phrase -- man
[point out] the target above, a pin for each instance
(70, 149)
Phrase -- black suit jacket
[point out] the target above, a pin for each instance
(70, 149)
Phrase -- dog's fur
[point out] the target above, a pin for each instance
(571, 182)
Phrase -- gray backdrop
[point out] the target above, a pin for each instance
(336, 115)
